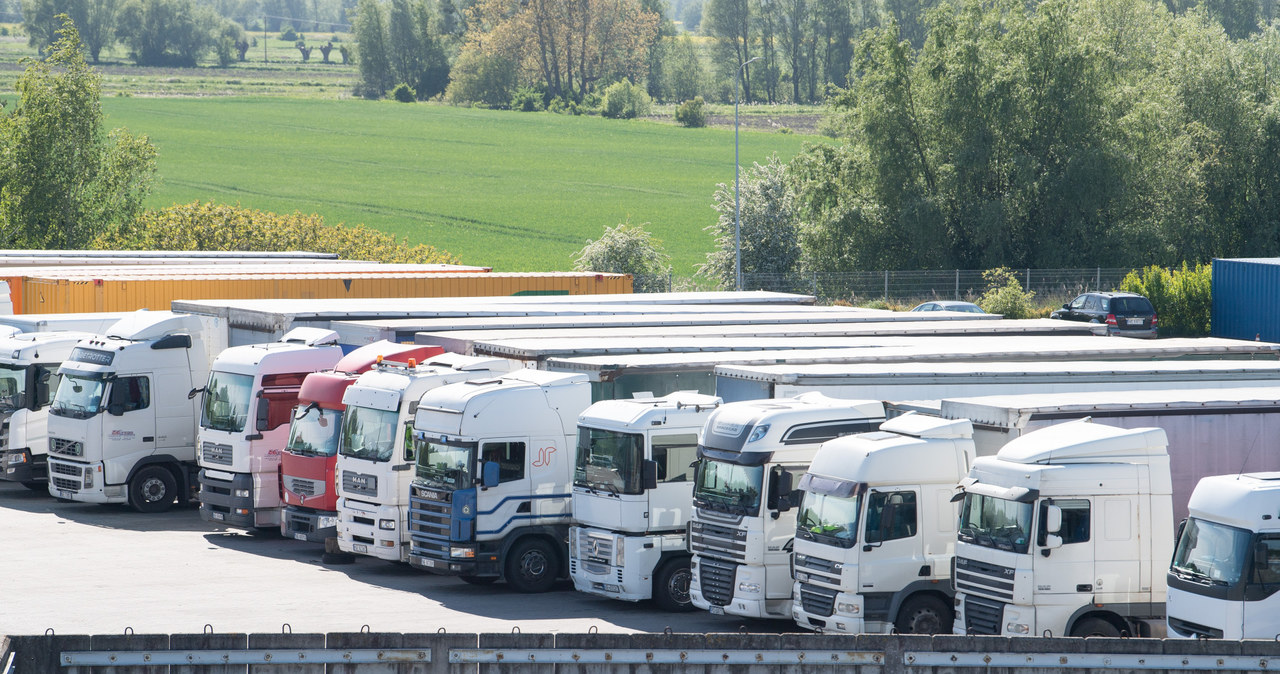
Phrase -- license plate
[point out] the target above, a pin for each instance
(1133, 321)
(219, 516)
(360, 547)
(430, 563)
(63, 493)
(301, 537)
(716, 610)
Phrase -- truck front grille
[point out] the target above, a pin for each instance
(716, 579)
(597, 552)
(992, 580)
(359, 483)
(66, 447)
(981, 615)
(304, 487)
(817, 600)
(714, 540)
(429, 515)
(211, 452)
(817, 570)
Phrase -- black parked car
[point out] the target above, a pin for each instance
(1127, 314)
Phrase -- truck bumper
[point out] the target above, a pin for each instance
(361, 531)
(67, 480)
(304, 524)
(484, 563)
(19, 465)
(220, 505)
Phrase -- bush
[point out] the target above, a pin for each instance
(691, 114)
(1182, 297)
(481, 78)
(624, 100)
(404, 93)
(1005, 295)
(628, 249)
(527, 99)
(288, 34)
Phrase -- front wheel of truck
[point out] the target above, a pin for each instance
(924, 614)
(152, 489)
(531, 566)
(671, 585)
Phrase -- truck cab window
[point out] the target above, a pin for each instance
(891, 515)
(1075, 521)
(510, 458)
(132, 392)
(674, 454)
(1269, 574)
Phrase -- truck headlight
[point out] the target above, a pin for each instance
(326, 522)
(749, 588)
(848, 609)
(1017, 628)
(619, 552)
(88, 477)
(462, 553)
(17, 457)
(573, 543)
(241, 493)
(387, 525)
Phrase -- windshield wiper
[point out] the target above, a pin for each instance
(603, 486)
(1193, 575)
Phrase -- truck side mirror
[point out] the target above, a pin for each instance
(489, 474)
(195, 392)
(649, 474)
(42, 378)
(262, 415)
(781, 487)
(1053, 520)
(115, 409)
(1051, 542)
(1260, 556)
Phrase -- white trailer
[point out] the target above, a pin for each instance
(1224, 581)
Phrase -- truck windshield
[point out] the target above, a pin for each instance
(995, 523)
(829, 519)
(1211, 553)
(314, 431)
(226, 401)
(13, 387)
(79, 395)
(443, 465)
(368, 433)
(728, 487)
(609, 460)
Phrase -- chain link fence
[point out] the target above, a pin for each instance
(920, 286)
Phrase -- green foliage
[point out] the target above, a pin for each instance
(95, 20)
(404, 93)
(691, 114)
(527, 99)
(288, 34)
(167, 32)
(480, 78)
(1004, 295)
(770, 230)
(624, 100)
(628, 249)
(207, 226)
(1181, 297)
(370, 31)
(61, 181)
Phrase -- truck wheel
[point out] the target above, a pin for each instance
(671, 586)
(152, 490)
(1094, 627)
(478, 580)
(924, 614)
(531, 566)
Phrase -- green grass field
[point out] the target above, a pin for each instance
(515, 191)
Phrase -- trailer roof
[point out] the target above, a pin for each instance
(817, 374)
(202, 271)
(1097, 403)
(942, 349)
(64, 257)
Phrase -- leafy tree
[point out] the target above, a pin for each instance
(404, 47)
(94, 19)
(1181, 297)
(628, 249)
(691, 114)
(61, 181)
(729, 23)
(685, 76)
(201, 226)
(167, 32)
(624, 100)
(375, 61)
(480, 77)
(770, 228)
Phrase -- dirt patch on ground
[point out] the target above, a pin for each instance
(802, 123)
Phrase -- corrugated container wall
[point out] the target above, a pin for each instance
(45, 296)
(1246, 299)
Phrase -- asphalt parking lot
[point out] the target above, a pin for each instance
(79, 568)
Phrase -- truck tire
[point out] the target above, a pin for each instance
(531, 566)
(671, 585)
(1094, 627)
(152, 489)
(924, 614)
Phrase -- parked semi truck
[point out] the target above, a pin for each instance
(750, 455)
(632, 497)
(1224, 581)
(308, 491)
(121, 427)
(244, 423)
(876, 529)
(1066, 531)
(491, 490)
(375, 451)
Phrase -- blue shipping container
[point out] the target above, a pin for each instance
(1246, 299)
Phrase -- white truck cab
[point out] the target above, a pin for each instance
(876, 528)
(375, 447)
(1066, 532)
(1224, 582)
(633, 496)
(122, 427)
(750, 455)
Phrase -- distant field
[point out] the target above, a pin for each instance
(515, 191)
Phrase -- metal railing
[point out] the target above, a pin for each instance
(923, 285)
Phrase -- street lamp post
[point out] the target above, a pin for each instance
(737, 208)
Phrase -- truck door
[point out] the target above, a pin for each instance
(508, 504)
(891, 554)
(1069, 569)
(130, 425)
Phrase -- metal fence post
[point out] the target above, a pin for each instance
(886, 285)
(957, 284)
(1098, 282)
(1028, 279)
